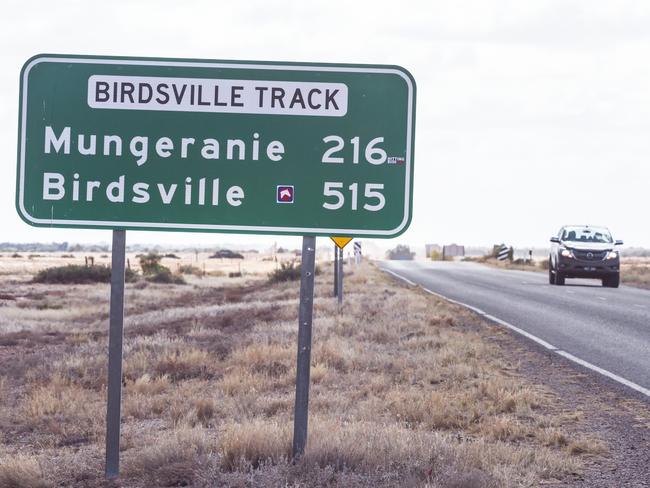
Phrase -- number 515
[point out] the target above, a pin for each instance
(371, 193)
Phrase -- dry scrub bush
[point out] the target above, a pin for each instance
(185, 363)
(146, 385)
(318, 373)
(271, 359)
(370, 447)
(253, 443)
(21, 471)
(334, 353)
(436, 410)
(205, 411)
(637, 275)
(87, 367)
(504, 428)
(162, 355)
(174, 459)
(70, 413)
(587, 446)
(239, 381)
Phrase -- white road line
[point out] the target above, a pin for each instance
(604, 372)
(550, 347)
(400, 277)
(497, 320)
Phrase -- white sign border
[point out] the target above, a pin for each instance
(211, 227)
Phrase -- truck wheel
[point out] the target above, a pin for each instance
(559, 279)
(551, 276)
(612, 281)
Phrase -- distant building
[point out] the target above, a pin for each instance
(453, 250)
(429, 249)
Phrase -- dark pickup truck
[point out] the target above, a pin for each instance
(583, 251)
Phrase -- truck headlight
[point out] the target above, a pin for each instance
(612, 255)
(566, 253)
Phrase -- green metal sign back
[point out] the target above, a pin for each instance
(215, 146)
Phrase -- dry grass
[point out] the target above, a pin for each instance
(405, 390)
(21, 471)
(636, 272)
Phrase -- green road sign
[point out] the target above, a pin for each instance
(215, 146)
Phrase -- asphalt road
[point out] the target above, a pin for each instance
(607, 327)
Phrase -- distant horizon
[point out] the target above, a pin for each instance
(281, 242)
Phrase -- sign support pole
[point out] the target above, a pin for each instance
(340, 277)
(336, 270)
(115, 335)
(305, 313)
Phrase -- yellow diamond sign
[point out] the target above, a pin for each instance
(341, 242)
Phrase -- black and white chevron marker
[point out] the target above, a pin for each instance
(503, 253)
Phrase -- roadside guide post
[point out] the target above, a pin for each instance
(340, 276)
(115, 335)
(340, 243)
(305, 313)
(336, 270)
(246, 147)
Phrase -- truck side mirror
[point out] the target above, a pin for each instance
(618, 243)
(555, 239)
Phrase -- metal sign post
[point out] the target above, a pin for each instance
(336, 270)
(305, 313)
(340, 276)
(115, 335)
(340, 242)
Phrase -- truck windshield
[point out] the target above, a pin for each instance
(586, 234)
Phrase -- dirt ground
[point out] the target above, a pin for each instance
(406, 389)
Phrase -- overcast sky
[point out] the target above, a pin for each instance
(530, 114)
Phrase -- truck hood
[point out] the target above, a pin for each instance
(588, 246)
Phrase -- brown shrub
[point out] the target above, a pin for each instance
(205, 411)
(184, 364)
(174, 459)
(21, 471)
(254, 443)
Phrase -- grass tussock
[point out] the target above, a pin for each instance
(174, 460)
(22, 471)
(636, 272)
(253, 444)
(405, 390)
(79, 274)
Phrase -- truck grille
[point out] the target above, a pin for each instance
(590, 255)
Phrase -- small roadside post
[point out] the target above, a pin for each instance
(336, 270)
(502, 254)
(340, 243)
(345, 135)
(340, 276)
